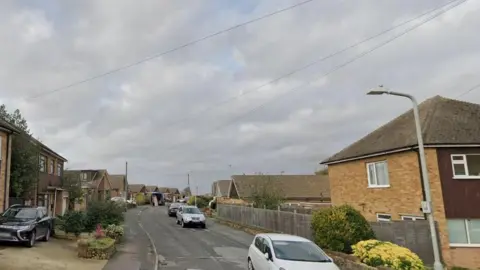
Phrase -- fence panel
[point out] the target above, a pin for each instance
(414, 235)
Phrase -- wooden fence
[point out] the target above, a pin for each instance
(414, 235)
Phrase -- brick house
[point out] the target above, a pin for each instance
(151, 188)
(119, 185)
(293, 188)
(220, 188)
(380, 174)
(49, 191)
(96, 184)
(6, 134)
(134, 189)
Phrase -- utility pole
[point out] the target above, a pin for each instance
(196, 194)
(126, 180)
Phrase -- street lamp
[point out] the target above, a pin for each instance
(427, 204)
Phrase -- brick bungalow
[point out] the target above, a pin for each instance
(380, 174)
(220, 188)
(6, 134)
(293, 188)
(119, 185)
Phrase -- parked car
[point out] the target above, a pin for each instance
(25, 225)
(284, 251)
(191, 216)
(172, 209)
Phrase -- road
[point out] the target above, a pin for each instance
(216, 248)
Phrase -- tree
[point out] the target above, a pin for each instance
(266, 193)
(322, 171)
(25, 155)
(73, 185)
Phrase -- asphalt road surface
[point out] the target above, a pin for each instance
(216, 248)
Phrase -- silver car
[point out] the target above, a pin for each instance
(191, 216)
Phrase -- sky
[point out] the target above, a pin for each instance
(200, 110)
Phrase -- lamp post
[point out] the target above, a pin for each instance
(427, 204)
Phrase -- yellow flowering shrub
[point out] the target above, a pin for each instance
(378, 253)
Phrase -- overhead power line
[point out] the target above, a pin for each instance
(190, 43)
(359, 56)
(304, 67)
(471, 89)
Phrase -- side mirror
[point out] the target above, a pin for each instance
(267, 257)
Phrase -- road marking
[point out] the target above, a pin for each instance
(158, 258)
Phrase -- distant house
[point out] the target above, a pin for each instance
(220, 188)
(134, 189)
(293, 188)
(6, 134)
(380, 174)
(96, 184)
(119, 185)
(151, 188)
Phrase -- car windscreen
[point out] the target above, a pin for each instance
(174, 205)
(191, 210)
(299, 251)
(21, 213)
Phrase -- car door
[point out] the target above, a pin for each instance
(42, 223)
(260, 263)
(270, 264)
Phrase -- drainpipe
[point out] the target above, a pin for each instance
(54, 203)
(6, 194)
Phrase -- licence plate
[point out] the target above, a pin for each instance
(5, 235)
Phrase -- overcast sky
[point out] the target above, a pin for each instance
(164, 117)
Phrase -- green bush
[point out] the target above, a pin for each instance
(114, 231)
(202, 201)
(72, 222)
(103, 213)
(141, 199)
(338, 228)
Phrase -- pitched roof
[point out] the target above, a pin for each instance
(151, 188)
(96, 179)
(174, 190)
(163, 189)
(6, 125)
(291, 186)
(135, 187)
(117, 181)
(223, 186)
(444, 121)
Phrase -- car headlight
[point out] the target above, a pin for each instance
(20, 228)
(187, 218)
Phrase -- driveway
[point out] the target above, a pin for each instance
(216, 248)
(53, 255)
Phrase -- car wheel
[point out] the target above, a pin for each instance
(47, 236)
(31, 240)
(250, 265)
(204, 226)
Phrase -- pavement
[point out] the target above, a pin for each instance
(216, 248)
(135, 251)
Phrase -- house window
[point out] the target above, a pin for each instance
(50, 170)
(413, 218)
(466, 165)
(464, 231)
(384, 217)
(43, 164)
(59, 169)
(378, 174)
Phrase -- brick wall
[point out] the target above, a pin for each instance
(349, 185)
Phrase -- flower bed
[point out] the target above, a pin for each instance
(100, 249)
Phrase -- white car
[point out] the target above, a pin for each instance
(271, 251)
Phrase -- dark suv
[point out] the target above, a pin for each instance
(172, 209)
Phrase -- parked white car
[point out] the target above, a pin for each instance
(270, 251)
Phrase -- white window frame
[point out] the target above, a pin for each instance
(464, 163)
(412, 218)
(382, 219)
(51, 167)
(370, 185)
(44, 167)
(59, 169)
(467, 230)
